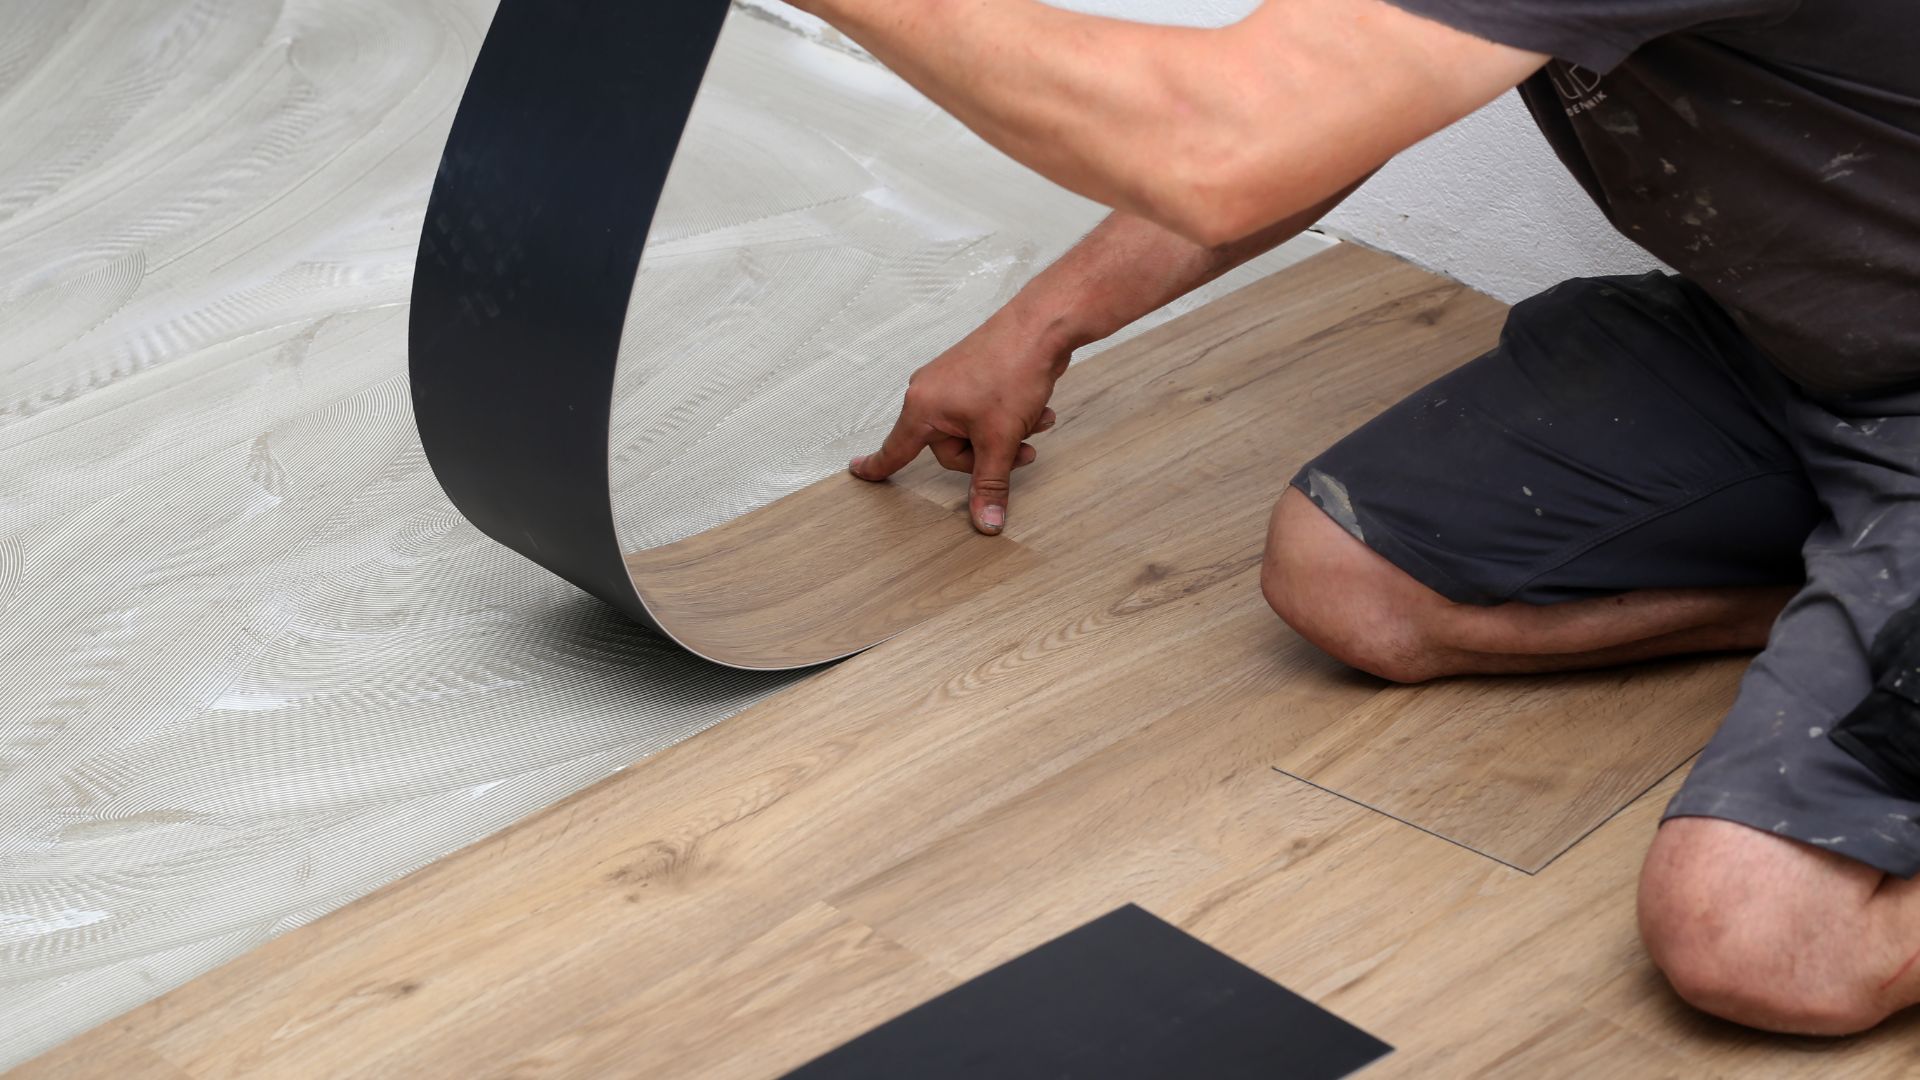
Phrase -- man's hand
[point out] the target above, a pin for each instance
(974, 406)
(975, 403)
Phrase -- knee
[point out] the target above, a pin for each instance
(1742, 977)
(1345, 598)
(1735, 939)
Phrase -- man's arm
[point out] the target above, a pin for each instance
(974, 404)
(1128, 267)
(1213, 134)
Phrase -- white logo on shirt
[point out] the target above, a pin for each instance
(1579, 87)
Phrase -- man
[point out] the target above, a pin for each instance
(1724, 459)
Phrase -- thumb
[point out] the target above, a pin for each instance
(993, 461)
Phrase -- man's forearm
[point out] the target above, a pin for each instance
(1128, 266)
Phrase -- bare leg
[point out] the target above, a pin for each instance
(1347, 599)
(1777, 934)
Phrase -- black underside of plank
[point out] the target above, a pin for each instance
(1125, 997)
(533, 234)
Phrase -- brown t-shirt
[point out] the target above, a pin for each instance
(1769, 150)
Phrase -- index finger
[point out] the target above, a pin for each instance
(902, 445)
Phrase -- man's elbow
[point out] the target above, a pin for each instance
(1212, 199)
(1206, 223)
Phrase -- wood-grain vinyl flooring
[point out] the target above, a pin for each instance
(823, 572)
(1451, 867)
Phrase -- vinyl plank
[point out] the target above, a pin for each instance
(129, 1058)
(1586, 1046)
(755, 1010)
(1637, 1000)
(1520, 768)
(1125, 996)
(824, 572)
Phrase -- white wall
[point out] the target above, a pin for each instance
(1484, 201)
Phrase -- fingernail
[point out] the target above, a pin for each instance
(855, 464)
(993, 517)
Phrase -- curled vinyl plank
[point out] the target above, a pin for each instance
(830, 569)
(557, 158)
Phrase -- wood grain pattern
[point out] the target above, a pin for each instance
(1099, 728)
(1506, 768)
(1589, 1045)
(821, 573)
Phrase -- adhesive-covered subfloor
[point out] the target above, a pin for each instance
(252, 664)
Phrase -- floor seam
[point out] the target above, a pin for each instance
(1404, 821)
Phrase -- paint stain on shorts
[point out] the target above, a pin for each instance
(1331, 496)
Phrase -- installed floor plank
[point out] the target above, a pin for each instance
(1505, 768)
(1102, 727)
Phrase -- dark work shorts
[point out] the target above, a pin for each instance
(1624, 435)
